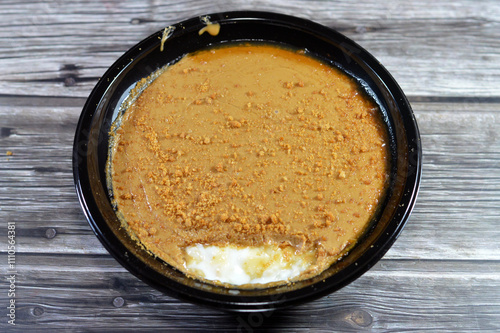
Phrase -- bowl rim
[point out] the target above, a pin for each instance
(237, 302)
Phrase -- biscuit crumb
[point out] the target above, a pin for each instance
(234, 146)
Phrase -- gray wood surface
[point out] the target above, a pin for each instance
(442, 274)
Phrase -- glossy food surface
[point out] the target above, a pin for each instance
(250, 146)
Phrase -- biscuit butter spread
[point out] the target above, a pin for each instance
(249, 165)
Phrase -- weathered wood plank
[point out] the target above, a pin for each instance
(432, 49)
(394, 296)
(458, 199)
(442, 274)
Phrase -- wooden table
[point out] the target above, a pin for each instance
(442, 274)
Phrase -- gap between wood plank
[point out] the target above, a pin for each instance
(106, 255)
(41, 101)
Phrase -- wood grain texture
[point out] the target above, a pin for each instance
(107, 295)
(432, 48)
(459, 196)
(442, 274)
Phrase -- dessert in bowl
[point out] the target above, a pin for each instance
(247, 160)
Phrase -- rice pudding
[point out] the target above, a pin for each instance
(249, 165)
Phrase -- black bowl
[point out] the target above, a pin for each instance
(91, 151)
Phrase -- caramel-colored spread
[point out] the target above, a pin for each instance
(250, 146)
(210, 27)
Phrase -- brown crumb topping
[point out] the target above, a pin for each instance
(250, 145)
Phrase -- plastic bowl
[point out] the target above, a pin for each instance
(91, 150)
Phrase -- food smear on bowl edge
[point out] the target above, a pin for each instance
(248, 165)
